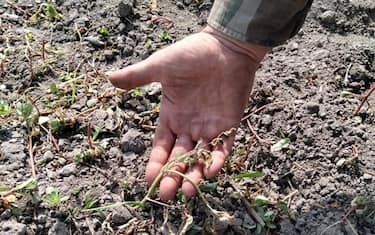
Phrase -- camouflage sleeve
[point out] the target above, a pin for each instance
(263, 22)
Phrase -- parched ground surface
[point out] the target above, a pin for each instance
(306, 91)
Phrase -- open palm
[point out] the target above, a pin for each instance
(206, 81)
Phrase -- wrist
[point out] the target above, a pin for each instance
(255, 52)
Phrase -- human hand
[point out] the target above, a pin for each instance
(206, 81)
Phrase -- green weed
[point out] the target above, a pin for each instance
(49, 12)
(165, 37)
(4, 108)
(89, 202)
(25, 110)
(53, 197)
(104, 31)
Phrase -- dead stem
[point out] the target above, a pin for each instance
(31, 155)
(52, 138)
(34, 105)
(90, 226)
(260, 109)
(159, 203)
(260, 140)
(17, 8)
(342, 220)
(148, 127)
(247, 204)
(2, 70)
(351, 226)
(365, 98)
(85, 112)
(331, 226)
(346, 78)
(29, 58)
(163, 18)
(89, 137)
(199, 192)
(43, 51)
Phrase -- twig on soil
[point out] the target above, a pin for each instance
(86, 78)
(31, 157)
(290, 196)
(34, 105)
(351, 226)
(163, 18)
(331, 226)
(106, 225)
(148, 127)
(2, 70)
(29, 58)
(342, 220)
(89, 137)
(247, 204)
(364, 99)
(91, 227)
(43, 51)
(85, 112)
(260, 140)
(166, 228)
(52, 138)
(299, 166)
(346, 78)
(17, 8)
(259, 109)
(159, 203)
(127, 228)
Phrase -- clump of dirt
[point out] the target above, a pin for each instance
(91, 142)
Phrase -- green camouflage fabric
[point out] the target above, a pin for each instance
(262, 22)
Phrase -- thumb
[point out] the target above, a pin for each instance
(133, 76)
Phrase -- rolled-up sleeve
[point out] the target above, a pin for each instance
(263, 22)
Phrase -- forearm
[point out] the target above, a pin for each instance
(263, 22)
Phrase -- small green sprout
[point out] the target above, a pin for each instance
(137, 91)
(73, 97)
(4, 108)
(104, 31)
(89, 201)
(55, 125)
(55, 90)
(268, 219)
(165, 36)
(98, 130)
(25, 110)
(260, 201)
(53, 197)
(283, 207)
(51, 12)
(30, 36)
